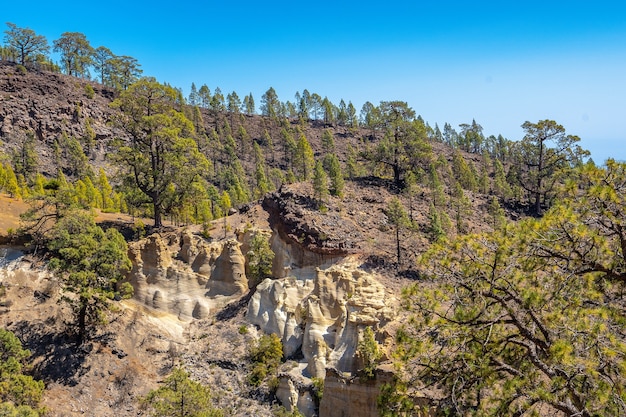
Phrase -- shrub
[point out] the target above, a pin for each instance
(266, 355)
(89, 92)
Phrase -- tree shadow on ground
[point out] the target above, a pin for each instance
(56, 356)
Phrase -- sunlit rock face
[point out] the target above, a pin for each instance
(183, 274)
(322, 317)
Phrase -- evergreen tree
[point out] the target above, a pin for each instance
(76, 53)
(204, 96)
(161, 157)
(333, 167)
(194, 98)
(259, 258)
(304, 160)
(270, 105)
(20, 394)
(91, 262)
(262, 183)
(328, 142)
(248, 103)
(396, 216)
(26, 43)
(404, 146)
(102, 63)
(542, 163)
(353, 169)
(181, 396)
(11, 185)
(25, 159)
(517, 310)
(320, 183)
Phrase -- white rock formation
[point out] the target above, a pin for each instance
(324, 316)
(185, 275)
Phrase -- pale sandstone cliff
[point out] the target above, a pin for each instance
(318, 303)
(185, 275)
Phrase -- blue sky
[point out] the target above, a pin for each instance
(452, 61)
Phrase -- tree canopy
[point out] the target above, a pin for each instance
(541, 164)
(404, 146)
(529, 318)
(181, 396)
(25, 42)
(161, 158)
(91, 263)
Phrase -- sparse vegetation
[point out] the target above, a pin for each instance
(509, 315)
(266, 355)
(181, 396)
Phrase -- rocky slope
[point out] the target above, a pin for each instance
(48, 105)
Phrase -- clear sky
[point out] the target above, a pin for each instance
(500, 63)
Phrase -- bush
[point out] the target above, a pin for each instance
(369, 351)
(260, 258)
(266, 355)
(89, 92)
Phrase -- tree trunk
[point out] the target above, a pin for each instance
(157, 215)
(539, 180)
(398, 244)
(82, 322)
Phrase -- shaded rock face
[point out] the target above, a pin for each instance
(323, 317)
(185, 275)
(292, 216)
(293, 395)
(351, 397)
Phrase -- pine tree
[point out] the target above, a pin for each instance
(262, 183)
(304, 157)
(333, 167)
(397, 217)
(11, 185)
(90, 262)
(328, 142)
(320, 183)
(181, 396)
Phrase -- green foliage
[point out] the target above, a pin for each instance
(304, 161)
(260, 257)
(73, 159)
(11, 185)
(26, 43)
(180, 396)
(76, 53)
(333, 167)
(528, 319)
(463, 173)
(91, 263)
(540, 165)
(89, 91)
(266, 355)
(328, 142)
(320, 183)
(438, 223)
(404, 146)
(369, 352)
(497, 213)
(318, 388)
(19, 394)
(282, 412)
(162, 158)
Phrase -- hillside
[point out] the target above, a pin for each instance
(340, 257)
